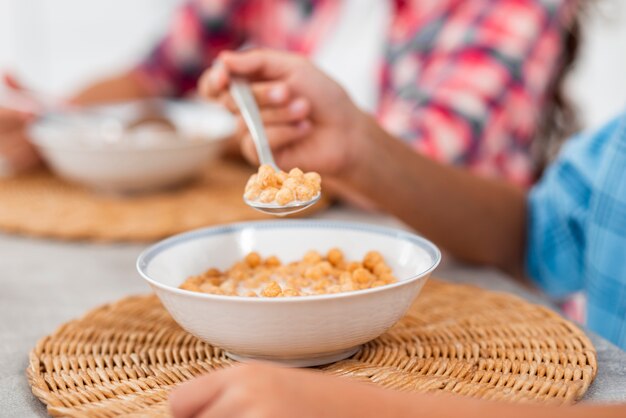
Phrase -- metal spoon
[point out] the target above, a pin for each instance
(242, 94)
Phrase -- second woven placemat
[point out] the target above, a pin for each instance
(123, 359)
(41, 204)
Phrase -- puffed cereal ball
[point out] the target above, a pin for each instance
(353, 265)
(212, 272)
(272, 261)
(192, 283)
(325, 267)
(296, 173)
(281, 176)
(380, 269)
(304, 193)
(268, 195)
(388, 278)
(371, 259)
(266, 176)
(313, 273)
(335, 256)
(214, 280)
(272, 290)
(312, 257)
(362, 276)
(253, 192)
(284, 196)
(253, 259)
(291, 184)
(313, 178)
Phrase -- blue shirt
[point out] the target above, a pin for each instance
(577, 227)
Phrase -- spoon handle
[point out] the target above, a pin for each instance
(241, 92)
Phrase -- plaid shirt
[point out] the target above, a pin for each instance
(463, 81)
(577, 228)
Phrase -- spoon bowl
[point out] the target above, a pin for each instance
(282, 210)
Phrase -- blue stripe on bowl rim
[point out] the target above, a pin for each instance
(154, 250)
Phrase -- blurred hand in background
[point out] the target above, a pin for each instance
(16, 152)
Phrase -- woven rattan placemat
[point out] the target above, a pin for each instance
(41, 204)
(123, 358)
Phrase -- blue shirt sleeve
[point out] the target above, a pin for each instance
(558, 209)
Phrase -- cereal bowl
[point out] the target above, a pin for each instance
(295, 331)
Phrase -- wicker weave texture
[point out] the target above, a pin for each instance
(122, 359)
(41, 204)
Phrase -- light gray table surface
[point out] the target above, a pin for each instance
(44, 283)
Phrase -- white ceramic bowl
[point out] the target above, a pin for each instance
(296, 331)
(85, 148)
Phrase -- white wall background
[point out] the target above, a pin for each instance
(58, 45)
(599, 82)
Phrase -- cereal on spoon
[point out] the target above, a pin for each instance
(271, 186)
(313, 275)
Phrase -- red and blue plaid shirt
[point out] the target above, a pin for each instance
(462, 81)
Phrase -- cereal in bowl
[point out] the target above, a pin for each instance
(313, 275)
(271, 186)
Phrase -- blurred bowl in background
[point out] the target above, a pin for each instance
(133, 147)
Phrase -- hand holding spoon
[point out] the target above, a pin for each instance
(242, 94)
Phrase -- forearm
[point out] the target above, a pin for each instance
(447, 406)
(477, 220)
(122, 87)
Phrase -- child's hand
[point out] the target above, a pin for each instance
(16, 153)
(310, 120)
(263, 391)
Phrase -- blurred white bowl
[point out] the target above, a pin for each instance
(296, 331)
(94, 149)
